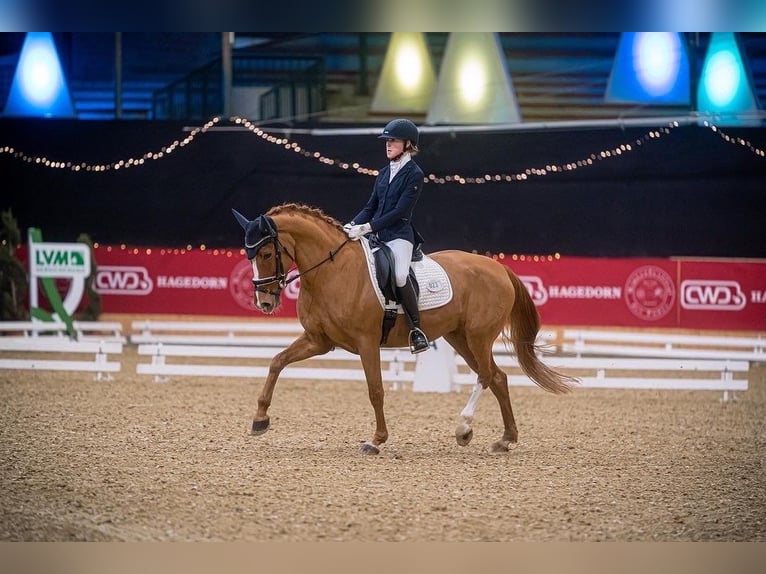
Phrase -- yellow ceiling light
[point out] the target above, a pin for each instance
(409, 68)
(407, 79)
(474, 85)
(472, 81)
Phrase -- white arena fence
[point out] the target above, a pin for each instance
(600, 358)
(440, 369)
(593, 342)
(84, 330)
(393, 363)
(256, 334)
(30, 345)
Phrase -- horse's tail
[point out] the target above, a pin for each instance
(522, 329)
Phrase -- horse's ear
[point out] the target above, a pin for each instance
(241, 218)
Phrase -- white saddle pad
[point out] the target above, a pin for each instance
(435, 286)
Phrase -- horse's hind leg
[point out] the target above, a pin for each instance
(490, 375)
(499, 386)
(464, 430)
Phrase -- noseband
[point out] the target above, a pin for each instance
(272, 237)
(280, 276)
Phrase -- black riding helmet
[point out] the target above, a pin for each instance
(400, 129)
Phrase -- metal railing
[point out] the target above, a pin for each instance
(296, 88)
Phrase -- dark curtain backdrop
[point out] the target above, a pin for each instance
(687, 194)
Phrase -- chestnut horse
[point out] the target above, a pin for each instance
(338, 307)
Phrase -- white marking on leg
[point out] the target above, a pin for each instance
(470, 407)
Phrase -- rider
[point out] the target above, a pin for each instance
(388, 213)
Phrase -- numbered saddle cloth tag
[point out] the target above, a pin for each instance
(435, 286)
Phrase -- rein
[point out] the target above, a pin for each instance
(330, 257)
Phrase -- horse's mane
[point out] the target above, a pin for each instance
(314, 212)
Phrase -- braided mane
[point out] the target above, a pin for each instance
(314, 212)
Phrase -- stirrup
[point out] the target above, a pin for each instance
(418, 341)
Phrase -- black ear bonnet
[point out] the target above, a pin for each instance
(257, 232)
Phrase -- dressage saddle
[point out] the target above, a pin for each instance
(384, 273)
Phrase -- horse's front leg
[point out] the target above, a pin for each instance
(371, 363)
(302, 348)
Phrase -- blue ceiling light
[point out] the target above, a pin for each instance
(725, 87)
(650, 68)
(39, 87)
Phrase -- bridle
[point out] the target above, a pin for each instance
(280, 275)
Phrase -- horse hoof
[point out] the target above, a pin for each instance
(260, 427)
(369, 448)
(463, 434)
(499, 447)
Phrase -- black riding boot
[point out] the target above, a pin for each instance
(409, 301)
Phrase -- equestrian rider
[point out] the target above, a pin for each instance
(388, 213)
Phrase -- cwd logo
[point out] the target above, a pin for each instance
(536, 289)
(119, 280)
(706, 294)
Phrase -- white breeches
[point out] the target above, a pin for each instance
(402, 250)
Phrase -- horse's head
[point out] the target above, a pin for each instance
(264, 251)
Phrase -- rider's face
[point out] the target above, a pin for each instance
(394, 148)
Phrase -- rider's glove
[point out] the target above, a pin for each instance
(348, 226)
(356, 231)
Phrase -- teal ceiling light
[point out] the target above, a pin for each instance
(725, 88)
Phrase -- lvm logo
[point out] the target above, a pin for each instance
(60, 259)
(123, 280)
(714, 295)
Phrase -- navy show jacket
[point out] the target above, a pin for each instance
(390, 207)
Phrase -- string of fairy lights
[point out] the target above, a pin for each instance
(529, 172)
(735, 140)
(291, 146)
(590, 160)
(125, 249)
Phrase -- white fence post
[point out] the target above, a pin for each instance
(435, 368)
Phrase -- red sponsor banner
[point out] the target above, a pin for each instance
(722, 294)
(680, 293)
(149, 280)
(591, 291)
(641, 292)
